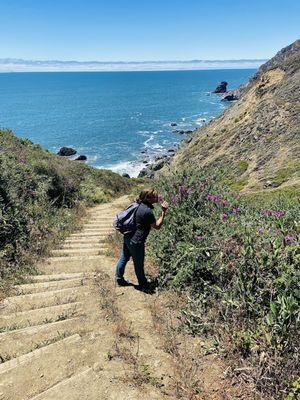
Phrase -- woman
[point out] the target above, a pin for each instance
(134, 242)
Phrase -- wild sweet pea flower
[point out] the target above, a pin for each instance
(289, 238)
(262, 230)
(235, 210)
(173, 199)
(199, 238)
(267, 212)
(225, 202)
(191, 190)
(181, 190)
(279, 213)
(224, 217)
(160, 199)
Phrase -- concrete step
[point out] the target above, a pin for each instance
(56, 277)
(21, 341)
(45, 286)
(82, 245)
(83, 240)
(34, 372)
(90, 235)
(79, 252)
(86, 383)
(40, 316)
(95, 230)
(74, 264)
(38, 300)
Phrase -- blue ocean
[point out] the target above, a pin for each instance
(119, 120)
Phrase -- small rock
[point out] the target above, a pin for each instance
(126, 175)
(158, 166)
(173, 124)
(81, 158)
(66, 151)
(269, 184)
(230, 96)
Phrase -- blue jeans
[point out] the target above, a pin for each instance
(137, 252)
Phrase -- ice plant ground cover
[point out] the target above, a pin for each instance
(239, 262)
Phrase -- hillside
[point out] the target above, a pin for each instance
(258, 137)
(41, 194)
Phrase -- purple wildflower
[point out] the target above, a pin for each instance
(181, 190)
(279, 213)
(289, 238)
(225, 202)
(261, 230)
(160, 199)
(235, 210)
(224, 217)
(191, 190)
(173, 199)
(199, 238)
(267, 212)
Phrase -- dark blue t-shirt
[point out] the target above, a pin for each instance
(144, 218)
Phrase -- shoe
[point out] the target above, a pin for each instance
(122, 282)
(147, 287)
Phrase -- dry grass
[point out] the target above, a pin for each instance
(126, 343)
(198, 371)
(114, 244)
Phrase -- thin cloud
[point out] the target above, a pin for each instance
(20, 65)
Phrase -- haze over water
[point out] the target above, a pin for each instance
(112, 116)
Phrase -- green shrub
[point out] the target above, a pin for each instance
(240, 264)
(40, 194)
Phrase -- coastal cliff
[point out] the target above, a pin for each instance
(257, 139)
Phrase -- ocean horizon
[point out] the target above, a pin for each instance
(119, 120)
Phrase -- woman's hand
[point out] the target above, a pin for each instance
(165, 206)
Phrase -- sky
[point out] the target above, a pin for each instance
(114, 30)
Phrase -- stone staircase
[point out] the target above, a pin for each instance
(52, 337)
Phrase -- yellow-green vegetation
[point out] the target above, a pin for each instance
(292, 170)
(242, 166)
(237, 258)
(41, 195)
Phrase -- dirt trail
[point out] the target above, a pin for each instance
(56, 342)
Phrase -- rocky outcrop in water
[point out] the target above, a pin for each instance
(230, 96)
(81, 158)
(66, 151)
(221, 88)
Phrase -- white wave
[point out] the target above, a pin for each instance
(146, 142)
(156, 146)
(129, 167)
(143, 132)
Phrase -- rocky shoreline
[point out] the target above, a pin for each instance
(151, 168)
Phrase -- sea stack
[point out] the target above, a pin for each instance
(221, 88)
